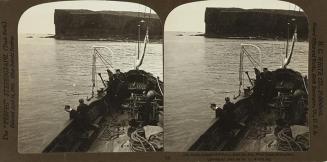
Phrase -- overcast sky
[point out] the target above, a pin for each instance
(40, 18)
(188, 17)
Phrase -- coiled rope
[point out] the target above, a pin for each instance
(287, 143)
(139, 143)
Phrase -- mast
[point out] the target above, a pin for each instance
(138, 40)
(289, 55)
(138, 34)
(139, 60)
(93, 71)
(287, 39)
(240, 77)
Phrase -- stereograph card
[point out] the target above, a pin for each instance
(164, 80)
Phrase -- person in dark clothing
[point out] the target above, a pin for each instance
(228, 116)
(116, 81)
(118, 75)
(257, 83)
(228, 106)
(267, 79)
(147, 111)
(258, 90)
(82, 108)
(110, 75)
(117, 72)
(257, 73)
(267, 75)
(82, 118)
(116, 91)
(217, 110)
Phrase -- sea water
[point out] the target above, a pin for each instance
(199, 71)
(54, 73)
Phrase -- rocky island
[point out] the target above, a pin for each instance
(254, 23)
(104, 25)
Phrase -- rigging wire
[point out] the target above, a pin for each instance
(252, 60)
(106, 62)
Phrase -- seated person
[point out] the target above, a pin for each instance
(228, 116)
(82, 115)
(82, 108)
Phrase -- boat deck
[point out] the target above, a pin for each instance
(113, 136)
(260, 135)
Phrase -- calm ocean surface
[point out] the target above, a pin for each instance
(199, 71)
(54, 73)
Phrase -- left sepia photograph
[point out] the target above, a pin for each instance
(90, 78)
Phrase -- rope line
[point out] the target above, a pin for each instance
(287, 143)
(139, 143)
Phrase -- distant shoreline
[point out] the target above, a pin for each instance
(177, 33)
(112, 39)
(251, 38)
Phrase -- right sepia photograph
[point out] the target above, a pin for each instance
(236, 76)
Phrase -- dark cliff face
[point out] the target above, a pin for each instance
(258, 23)
(85, 24)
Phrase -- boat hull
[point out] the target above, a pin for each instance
(279, 95)
(125, 97)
